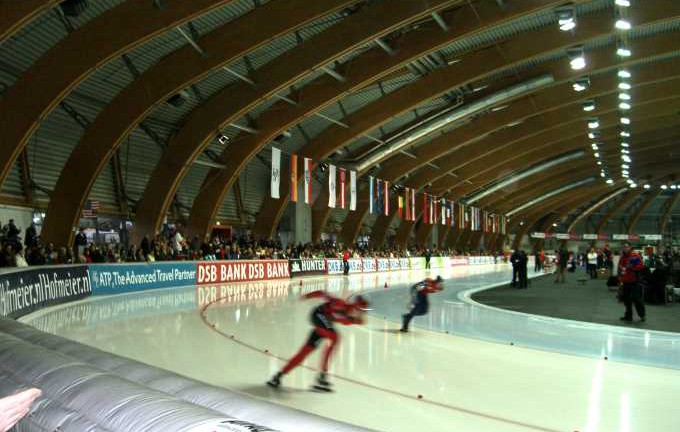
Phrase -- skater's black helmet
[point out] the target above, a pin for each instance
(439, 280)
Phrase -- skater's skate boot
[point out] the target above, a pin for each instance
(322, 383)
(323, 380)
(275, 382)
(403, 330)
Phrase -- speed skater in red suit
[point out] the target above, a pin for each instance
(419, 302)
(331, 311)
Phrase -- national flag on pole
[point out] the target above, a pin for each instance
(443, 210)
(331, 186)
(386, 197)
(370, 194)
(379, 196)
(435, 209)
(413, 205)
(308, 181)
(293, 178)
(431, 210)
(276, 173)
(407, 200)
(352, 190)
(426, 209)
(343, 174)
(400, 206)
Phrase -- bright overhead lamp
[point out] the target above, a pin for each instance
(625, 134)
(625, 120)
(633, 185)
(646, 186)
(581, 84)
(593, 124)
(588, 106)
(599, 163)
(625, 173)
(594, 146)
(593, 135)
(578, 63)
(623, 73)
(624, 151)
(664, 187)
(567, 24)
(602, 174)
(625, 144)
(624, 106)
(622, 3)
(626, 158)
(624, 86)
(610, 181)
(624, 166)
(577, 58)
(623, 51)
(629, 181)
(622, 24)
(624, 96)
(674, 186)
(596, 154)
(566, 17)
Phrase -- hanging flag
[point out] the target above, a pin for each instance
(293, 178)
(386, 197)
(331, 186)
(407, 200)
(352, 190)
(431, 210)
(343, 174)
(400, 206)
(370, 194)
(443, 206)
(426, 209)
(276, 172)
(435, 210)
(413, 205)
(378, 196)
(308, 181)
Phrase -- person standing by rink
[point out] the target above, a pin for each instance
(630, 267)
(419, 302)
(345, 262)
(323, 317)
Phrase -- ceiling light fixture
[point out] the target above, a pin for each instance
(622, 3)
(624, 106)
(624, 86)
(623, 73)
(622, 24)
(593, 123)
(625, 120)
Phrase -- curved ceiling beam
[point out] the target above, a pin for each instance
(443, 145)
(548, 180)
(544, 207)
(642, 207)
(495, 199)
(595, 206)
(619, 205)
(167, 77)
(668, 212)
(418, 181)
(537, 147)
(363, 27)
(473, 67)
(72, 59)
(526, 220)
(365, 69)
(533, 152)
(16, 14)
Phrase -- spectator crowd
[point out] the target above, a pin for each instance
(171, 245)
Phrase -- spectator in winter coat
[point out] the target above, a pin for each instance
(630, 267)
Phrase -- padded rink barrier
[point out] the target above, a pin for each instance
(86, 389)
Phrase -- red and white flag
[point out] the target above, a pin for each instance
(343, 173)
(308, 181)
(331, 186)
(386, 197)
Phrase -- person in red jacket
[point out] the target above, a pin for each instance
(323, 317)
(630, 266)
(345, 262)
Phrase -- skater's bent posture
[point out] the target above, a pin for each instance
(323, 317)
(419, 302)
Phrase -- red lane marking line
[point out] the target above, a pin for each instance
(233, 338)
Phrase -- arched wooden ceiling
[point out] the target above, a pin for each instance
(468, 157)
